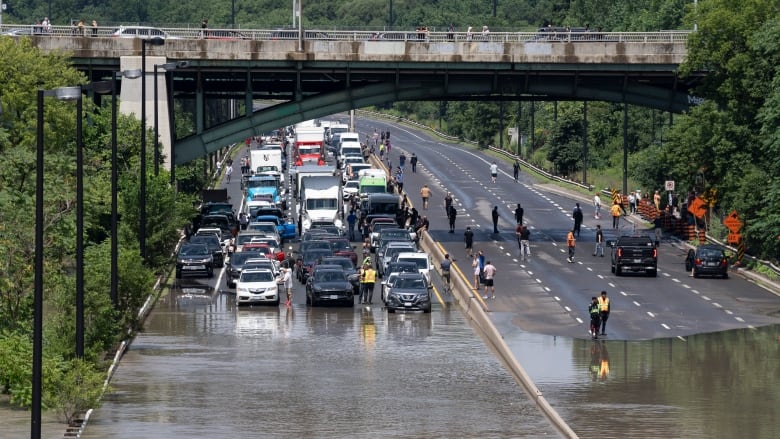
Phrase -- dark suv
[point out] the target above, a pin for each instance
(194, 259)
(409, 292)
(707, 259)
(214, 245)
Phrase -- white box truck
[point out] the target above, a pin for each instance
(321, 202)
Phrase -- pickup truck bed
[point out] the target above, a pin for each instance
(634, 254)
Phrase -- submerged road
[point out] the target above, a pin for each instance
(203, 368)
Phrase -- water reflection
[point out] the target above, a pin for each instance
(725, 384)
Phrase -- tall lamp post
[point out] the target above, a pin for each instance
(64, 93)
(156, 41)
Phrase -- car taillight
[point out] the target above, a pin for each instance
(724, 262)
(620, 252)
(655, 253)
(697, 261)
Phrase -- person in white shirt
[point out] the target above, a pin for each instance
(597, 205)
(493, 171)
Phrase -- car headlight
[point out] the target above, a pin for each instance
(242, 290)
(306, 223)
(272, 289)
(338, 223)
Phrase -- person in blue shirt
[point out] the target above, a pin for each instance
(352, 220)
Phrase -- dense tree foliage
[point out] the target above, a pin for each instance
(24, 71)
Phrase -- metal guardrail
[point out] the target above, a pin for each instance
(361, 35)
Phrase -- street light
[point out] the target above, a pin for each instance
(167, 67)
(64, 93)
(130, 74)
(156, 41)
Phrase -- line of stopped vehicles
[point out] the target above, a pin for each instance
(296, 220)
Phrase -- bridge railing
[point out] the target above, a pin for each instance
(350, 35)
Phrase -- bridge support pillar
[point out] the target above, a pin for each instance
(130, 100)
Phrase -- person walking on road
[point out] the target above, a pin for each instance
(516, 170)
(451, 215)
(595, 317)
(615, 210)
(402, 161)
(477, 271)
(494, 214)
(571, 243)
(229, 171)
(519, 214)
(445, 266)
(489, 272)
(468, 239)
(425, 194)
(525, 242)
(603, 311)
(447, 203)
(352, 220)
(286, 279)
(493, 172)
(599, 250)
(367, 280)
(597, 206)
(577, 216)
(413, 162)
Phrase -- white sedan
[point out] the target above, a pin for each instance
(257, 286)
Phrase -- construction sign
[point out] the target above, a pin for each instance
(734, 224)
(616, 198)
(697, 207)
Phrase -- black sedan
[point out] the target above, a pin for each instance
(214, 245)
(329, 285)
(707, 260)
(409, 292)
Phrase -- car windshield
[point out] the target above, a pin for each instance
(710, 253)
(242, 239)
(311, 256)
(240, 258)
(391, 236)
(210, 240)
(391, 251)
(409, 283)
(261, 249)
(329, 276)
(193, 250)
(257, 276)
(340, 245)
(421, 263)
(346, 264)
(263, 227)
(310, 245)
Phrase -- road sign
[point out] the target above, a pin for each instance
(732, 222)
(734, 238)
(697, 207)
(669, 185)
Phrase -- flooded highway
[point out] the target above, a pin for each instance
(203, 368)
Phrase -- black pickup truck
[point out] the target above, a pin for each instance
(634, 254)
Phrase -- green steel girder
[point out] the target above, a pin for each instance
(438, 87)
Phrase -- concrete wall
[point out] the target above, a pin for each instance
(606, 52)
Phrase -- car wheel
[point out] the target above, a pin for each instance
(612, 268)
(695, 274)
(391, 310)
(427, 310)
(211, 274)
(314, 301)
(652, 273)
(725, 275)
(278, 300)
(351, 303)
(618, 270)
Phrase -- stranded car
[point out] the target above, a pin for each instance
(707, 260)
(409, 292)
(257, 286)
(194, 259)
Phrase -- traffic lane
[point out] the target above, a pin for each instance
(560, 208)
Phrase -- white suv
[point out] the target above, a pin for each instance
(421, 259)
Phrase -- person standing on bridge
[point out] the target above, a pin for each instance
(493, 172)
(603, 311)
(413, 162)
(489, 272)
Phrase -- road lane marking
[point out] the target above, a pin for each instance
(739, 319)
(567, 308)
(716, 304)
(728, 312)
(579, 320)
(651, 314)
(681, 338)
(623, 293)
(665, 326)
(637, 303)
(557, 298)
(706, 298)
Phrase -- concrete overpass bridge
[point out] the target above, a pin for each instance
(326, 72)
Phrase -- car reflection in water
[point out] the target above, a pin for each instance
(191, 294)
(258, 322)
(408, 326)
(330, 321)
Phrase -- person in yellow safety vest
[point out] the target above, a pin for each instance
(604, 310)
(615, 210)
(367, 280)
